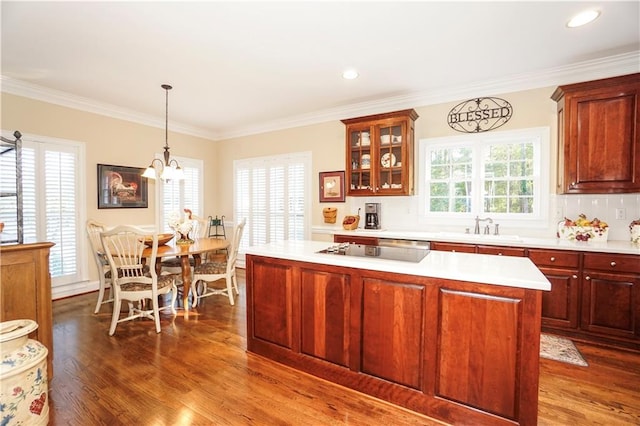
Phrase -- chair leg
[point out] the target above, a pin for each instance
(115, 316)
(156, 314)
(100, 297)
(174, 297)
(228, 279)
(194, 291)
(235, 282)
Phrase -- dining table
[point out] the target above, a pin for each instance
(184, 251)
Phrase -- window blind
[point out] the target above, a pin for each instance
(273, 194)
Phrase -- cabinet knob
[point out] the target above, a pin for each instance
(587, 278)
(574, 277)
(499, 254)
(553, 259)
(613, 264)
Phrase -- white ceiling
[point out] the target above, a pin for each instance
(239, 68)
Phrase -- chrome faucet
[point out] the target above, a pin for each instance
(478, 220)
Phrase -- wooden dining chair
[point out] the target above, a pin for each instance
(94, 229)
(132, 278)
(207, 273)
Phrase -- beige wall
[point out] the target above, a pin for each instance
(109, 141)
(113, 141)
(531, 108)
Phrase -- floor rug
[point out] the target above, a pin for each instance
(560, 349)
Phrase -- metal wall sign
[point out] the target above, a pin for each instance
(479, 115)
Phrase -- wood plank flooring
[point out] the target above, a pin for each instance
(197, 372)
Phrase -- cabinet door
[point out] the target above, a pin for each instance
(560, 304)
(325, 301)
(465, 353)
(359, 160)
(392, 155)
(601, 143)
(392, 333)
(272, 315)
(611, 304)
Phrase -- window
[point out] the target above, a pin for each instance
(273, 194)
(175, 196)
(53, 203)
(498, 174)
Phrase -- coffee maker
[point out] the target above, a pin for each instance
(372, 216)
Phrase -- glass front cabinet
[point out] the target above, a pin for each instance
(379, 154)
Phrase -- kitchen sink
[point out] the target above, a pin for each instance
(478, 237)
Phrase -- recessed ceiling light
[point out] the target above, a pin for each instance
(583, 18)
(350, 74)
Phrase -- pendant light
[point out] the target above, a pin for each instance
(170, 169)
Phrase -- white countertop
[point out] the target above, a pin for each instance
(615, 246)
(479, 268)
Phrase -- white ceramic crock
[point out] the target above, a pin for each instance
(23, 375)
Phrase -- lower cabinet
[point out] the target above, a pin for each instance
(25, 290)
(454, 247)
(560, 305)
(611, 295)
(462, 352)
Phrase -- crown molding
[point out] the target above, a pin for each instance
(57, 97)
(626, 63)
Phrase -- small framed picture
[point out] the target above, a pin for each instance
(332, 187)
(121, 187)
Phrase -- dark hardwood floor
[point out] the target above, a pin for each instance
(197, 372)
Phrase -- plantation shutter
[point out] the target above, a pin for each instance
(184, 194)
(50, 176)
(272, 193)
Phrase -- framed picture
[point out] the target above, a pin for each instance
(332, 187)
(121, 187)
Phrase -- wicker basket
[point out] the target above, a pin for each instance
(330, 214)
(351, 226)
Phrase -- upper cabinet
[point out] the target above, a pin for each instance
(598, 140)
(380, 154)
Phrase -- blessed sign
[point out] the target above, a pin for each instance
(479, 115)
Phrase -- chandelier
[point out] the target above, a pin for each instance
(170, 169)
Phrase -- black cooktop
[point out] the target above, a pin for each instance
(381, 252)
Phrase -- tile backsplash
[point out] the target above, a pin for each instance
(618, 210)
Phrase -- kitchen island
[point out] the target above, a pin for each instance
(455, 336)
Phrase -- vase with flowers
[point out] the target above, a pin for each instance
(182, 225)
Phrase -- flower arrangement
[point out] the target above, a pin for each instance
(634, 230)
(583, 229)
(182, 225)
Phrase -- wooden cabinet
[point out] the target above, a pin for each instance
(25, 290)
(355, 239)
(611, 295)
(598, 136)
(463, 352)
(560, 305)
(480, 249)
(454, 247)
(502, 251)
(380, 154)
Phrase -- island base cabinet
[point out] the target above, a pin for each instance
(474, 343)
(461, 352)
(392, 332)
